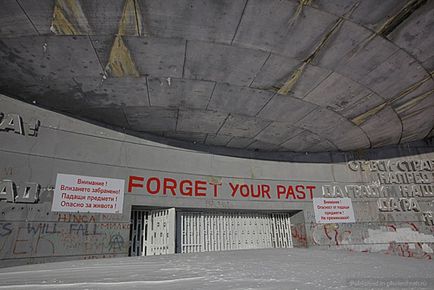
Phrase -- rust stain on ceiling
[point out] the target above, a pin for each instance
(69, 18)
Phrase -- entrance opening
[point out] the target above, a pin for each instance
(157, 231)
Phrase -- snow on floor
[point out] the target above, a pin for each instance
(246, 269)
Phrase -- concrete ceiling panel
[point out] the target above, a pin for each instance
(429, 64)
(424, 90)
(373, 13)
(13, 20)
(262, 146)
(281, 27)
(125, 91)
(361, 106)
(302, 142)
(365, 57)
(40, 13)
(243, 126)
(102, 45)
(222, 63)
(348, 137)
(200, 121)
(323, 146)
(64, 96)
(306, 32)
(278, 69)
(157, 57)
(417, 113)
(343, 42)
(104, 16)
(384, 128)
(336, 7)
(337, 93)
(286, 109)
(239, 100)
(151, 118)
(217, 140)
(335, 128)
(183, 93)
(49, 71)
(187, 136)
(413, 35)
(239, 142)
(394, 75)
(214, 21)
(264, 23)
(110, 116)
(208, 71)
(152, 56)
(418, 125)
(321, 119)
(278, 132)
(54, 57)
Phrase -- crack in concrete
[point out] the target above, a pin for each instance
(28, 18)
(298, 12)
(239, 22)
(138, 17)
(147, 91)
(393, 22)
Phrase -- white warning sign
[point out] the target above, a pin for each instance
(333, 210)
(75, 193)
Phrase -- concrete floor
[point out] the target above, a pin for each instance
(247, 269)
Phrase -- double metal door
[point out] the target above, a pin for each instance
(220, 231)
(152, 232)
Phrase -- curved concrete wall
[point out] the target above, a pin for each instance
(392, 199)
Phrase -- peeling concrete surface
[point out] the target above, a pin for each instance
(356, 59)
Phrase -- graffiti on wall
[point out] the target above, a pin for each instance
(403, 239)
(299, 235)
(72, 234)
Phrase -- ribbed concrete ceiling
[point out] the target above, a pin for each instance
(273, 75)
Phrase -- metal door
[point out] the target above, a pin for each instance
(161, 232)
(152, 232)
(139, 224)
(281, 230)
(220, 231)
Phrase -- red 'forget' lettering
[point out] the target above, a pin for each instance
(131, 183)
(157, 185)
(200, 190)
